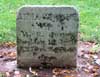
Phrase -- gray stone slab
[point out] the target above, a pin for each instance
(47, 36)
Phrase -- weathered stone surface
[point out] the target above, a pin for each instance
(47, 36)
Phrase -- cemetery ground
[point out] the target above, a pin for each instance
(88, 63)
(88, 57)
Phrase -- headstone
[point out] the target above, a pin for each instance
(47, 36)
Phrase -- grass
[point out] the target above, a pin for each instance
(89, 17)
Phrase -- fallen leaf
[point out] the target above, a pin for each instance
(86, 70)
(86, 56)
(12, 54)
(33, 71)
(66, 71)
(57, 71)
(97, 61)
(7, 74)
(96, 67)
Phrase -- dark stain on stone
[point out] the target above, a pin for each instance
(46, 65)
(59, 49)
(52, 42)
(19, 51)
(52, 58)
(67, 18)
(40, 24)
(73, 38)
(34, 53)
(42, 57)
(47, 16)
(50, 47)
(62, 28)
(44, 24)
(20, 17)
(32, 24)
(45, 58)
(72, 49)
(60, 18)
(35, 40)
(36, 48)
(25, 34)
(46, 61)
(51, 35)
